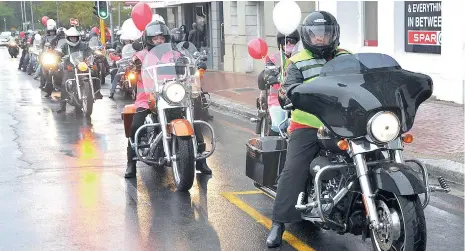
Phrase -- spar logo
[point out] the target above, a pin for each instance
(424, 37)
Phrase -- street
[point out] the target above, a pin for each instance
(62, 187)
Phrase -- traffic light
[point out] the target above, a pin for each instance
(101, 9)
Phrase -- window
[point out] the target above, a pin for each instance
(370, 23)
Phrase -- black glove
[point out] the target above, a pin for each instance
(202, 65)
(284, 100)
(271, 75)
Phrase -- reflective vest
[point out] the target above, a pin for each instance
(310, 68)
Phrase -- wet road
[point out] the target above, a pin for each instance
(62, 187)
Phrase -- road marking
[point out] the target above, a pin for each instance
(265, 221)
(226, 123)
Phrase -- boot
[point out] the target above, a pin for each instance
(201, 165)
(111, 94)
(62, 107)
(98, 95)
(275, 237)
(131, 167)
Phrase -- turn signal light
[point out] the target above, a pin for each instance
(70, 68)
(407, 138)
(343, 145)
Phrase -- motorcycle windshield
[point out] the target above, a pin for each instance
(165, 63)
(76, 57)
(187, 48)
(352, 88)
(127, 51)
(94, 43)
(60, 43)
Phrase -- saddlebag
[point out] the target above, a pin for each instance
(127, 115)
(265, 159)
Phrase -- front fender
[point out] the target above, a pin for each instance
(181, 127)
(396, 178)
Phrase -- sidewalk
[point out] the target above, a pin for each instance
(438, 130)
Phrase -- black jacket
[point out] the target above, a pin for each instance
(67, 50)
(52, 39)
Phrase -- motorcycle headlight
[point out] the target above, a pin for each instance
(174, 92)
(384, 127)
(82, 66)
(48, 59)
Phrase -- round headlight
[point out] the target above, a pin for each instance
(82, 66)
(384, 127)
(175, 92)
(48, 59)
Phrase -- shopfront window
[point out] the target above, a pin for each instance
(370, 23)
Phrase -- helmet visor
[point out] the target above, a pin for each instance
(319, 35)
(156, 30)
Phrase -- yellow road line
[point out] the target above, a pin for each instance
(265, 221)
(248, 192)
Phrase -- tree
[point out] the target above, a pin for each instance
(5, 11)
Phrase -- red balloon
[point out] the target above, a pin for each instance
(141, 15)
(44, 20)
(22, 34)
(258, 49)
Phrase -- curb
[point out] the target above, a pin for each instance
(450, 170)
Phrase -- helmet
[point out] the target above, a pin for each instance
(95, 30)
(323, 25)
(51, 26)
(177, 35)
(119, 32)
(155, 28)
(294, 37)
(72, 32)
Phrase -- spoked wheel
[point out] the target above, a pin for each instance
(184, 163)
(87, 100)
(404, 224)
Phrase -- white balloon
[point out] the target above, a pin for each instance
(156, 17)
(130, 31)
(286, 16)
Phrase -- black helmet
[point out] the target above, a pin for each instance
(321, 24)
(155, 28)
(177, 35)
(294, 37)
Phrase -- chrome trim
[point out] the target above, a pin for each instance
(424, 172)
(370, 121)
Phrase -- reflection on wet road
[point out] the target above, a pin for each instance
(62, 187)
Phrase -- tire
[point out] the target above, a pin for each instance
(265, 126)
(87, 100)
(412, 223)
(184, 166)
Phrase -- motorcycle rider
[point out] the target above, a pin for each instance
(277, 114)
(117, 77)
(156, 33)
(320, 39)
(51, 34)
(73, 44)
(60, 34)
(24, 47)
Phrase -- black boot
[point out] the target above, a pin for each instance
(111, 94)
(62, 107)
(131, 167)
(201, 165)
(275, 237)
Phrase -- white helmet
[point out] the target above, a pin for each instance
(156, 17)
(119, 32)
(37, 37)
(72, 32)
(51, 25)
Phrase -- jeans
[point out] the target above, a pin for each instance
(116, 80)
(278, 115)
(36, 74)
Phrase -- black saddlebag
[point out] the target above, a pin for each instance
(265, 159)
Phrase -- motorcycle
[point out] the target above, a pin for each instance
(362, 183)
(50, 72)
(97, 60)
(13, 49)
(80, 88)
(129, 76)
(200, 100)
(167, 136)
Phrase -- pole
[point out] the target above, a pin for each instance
(111, 22)
(22, 16)
(32, 16)
(102, 31)
(24, 10)
(119, 15)
(4, 21)
(57, 12)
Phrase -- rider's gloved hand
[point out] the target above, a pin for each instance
(202, 65)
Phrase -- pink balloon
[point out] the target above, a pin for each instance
(141, 15)
(44, 20)
(258, 49)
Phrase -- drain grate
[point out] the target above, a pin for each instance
(246, 89)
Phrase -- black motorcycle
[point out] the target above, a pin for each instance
(99, 69)
(362, 184)
(13, 49)
(50, 73)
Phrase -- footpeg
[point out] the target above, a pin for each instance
(443, 186)
(300, 203)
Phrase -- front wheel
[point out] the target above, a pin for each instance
(87, 100)
(265, 125)
(184, 164)
(404, 221)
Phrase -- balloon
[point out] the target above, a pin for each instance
(141, 15)
(44, 20)
(22, 34)
(258, 48)
(156, 17)
(130, 31)
(286, 16)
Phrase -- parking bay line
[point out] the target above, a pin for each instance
(265, 221)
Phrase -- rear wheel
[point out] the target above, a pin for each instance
(184, 163)
(404, 221)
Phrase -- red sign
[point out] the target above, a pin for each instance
(371, 43)
(73, 21)
(424, 37)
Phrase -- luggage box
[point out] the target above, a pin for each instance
(265, 159)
